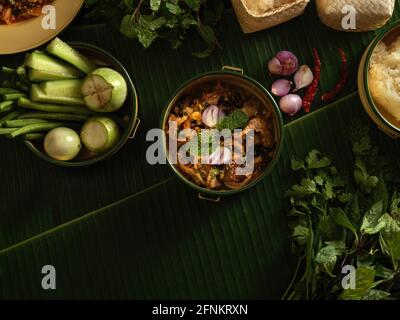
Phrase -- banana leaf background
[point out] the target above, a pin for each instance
(125, 229)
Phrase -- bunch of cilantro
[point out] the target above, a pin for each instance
(172, 20)
(337, 221)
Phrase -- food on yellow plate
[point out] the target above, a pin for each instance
(12, 11)
(384, 80)
(206, 112)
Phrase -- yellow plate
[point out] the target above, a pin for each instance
(29, 34)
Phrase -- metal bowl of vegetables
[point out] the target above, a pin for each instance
(218, 103)
(72, 104)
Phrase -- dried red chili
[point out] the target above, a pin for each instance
(313, 88)
(344, 76)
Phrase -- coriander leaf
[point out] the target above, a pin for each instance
(364, 282)
(374, 294)
(155, 5)
(151, 22)
(327, 191)
(127, 28)
(340, 217)
(372, 222)
(363, 147)
(297, 165)
(362, 177)
(173, 8)
(307, 188)
(301, 234)
(315, 160)
(345, 197)
(187, 21)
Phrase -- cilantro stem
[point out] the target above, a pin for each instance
(300, 260)
(136, 13)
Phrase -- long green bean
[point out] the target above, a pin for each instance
(23, 86)
(22, 122)
(9, 109)
(53, 108)
(54, 116)
(8, 90)
(4, 131)
(7, 70)
(5, 104)
(34, 128)
(33, 136)
(11, 116)
(13, 96)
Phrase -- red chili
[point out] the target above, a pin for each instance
(313, 88)
(344, 77)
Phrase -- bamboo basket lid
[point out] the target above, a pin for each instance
(369, 15)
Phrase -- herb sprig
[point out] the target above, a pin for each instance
(346, 220)
(172, 20)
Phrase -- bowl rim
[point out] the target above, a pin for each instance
(280, 129)
(370, 51)
(131, 124)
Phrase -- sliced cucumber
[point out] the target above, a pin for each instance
(38, 95)
(100, 134)
(63, 88)
(62, 50)
(39, 76)
(42, 62)
(104, 90)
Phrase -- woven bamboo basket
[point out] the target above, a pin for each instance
(370, 15)
(251, 22)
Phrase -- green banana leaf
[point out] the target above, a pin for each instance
(37, 196)
(165, 243)
(177, 246)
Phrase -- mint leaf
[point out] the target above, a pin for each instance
(364, 282)
(327, 256)
(236, 120)
(374, 294)
(389, 239)
(340, 217)
(372, 222)
(174, 8)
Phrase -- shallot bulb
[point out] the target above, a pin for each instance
(281, 87)
(303, 78)
(285, 63)
(291, 104)
(221, 155)
(212, 115)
